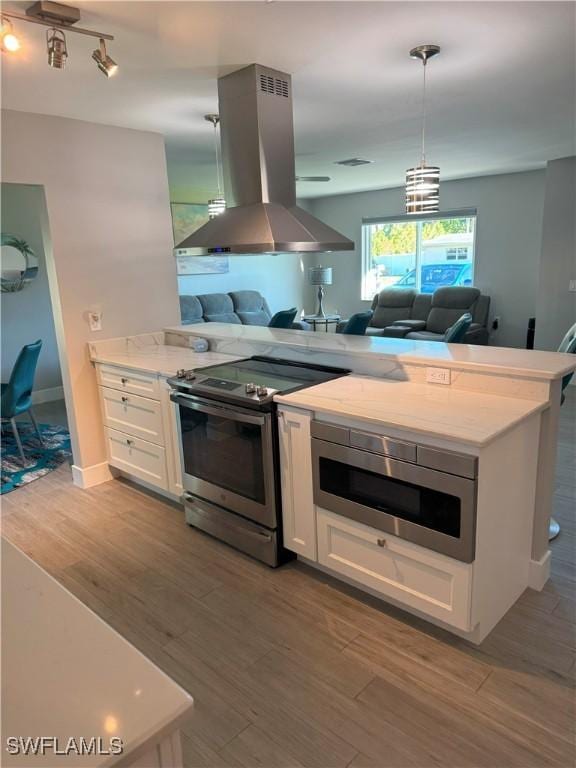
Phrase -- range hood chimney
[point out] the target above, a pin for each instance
(255, 107)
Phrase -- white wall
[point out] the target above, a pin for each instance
(27, 314)
(111, 243)
(509, 230)
(556, 305)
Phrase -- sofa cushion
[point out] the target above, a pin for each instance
(251, 307)
(448, 305)
(218, 308)
(421, 306)
(425, 336)
(390, 305)
(190, 310)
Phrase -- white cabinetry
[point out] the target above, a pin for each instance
(298, 517)
(426, 581)
(140, 426)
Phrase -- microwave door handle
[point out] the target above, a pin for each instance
(230, 413)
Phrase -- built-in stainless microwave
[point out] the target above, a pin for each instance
(421, 494)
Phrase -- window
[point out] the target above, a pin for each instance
(422, 253)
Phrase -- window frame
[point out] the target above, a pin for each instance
(459, 213)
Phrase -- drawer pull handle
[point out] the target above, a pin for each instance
(129, 442)
(124, 399)
(381, 542)
(124, 381)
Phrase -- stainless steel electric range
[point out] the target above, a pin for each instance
(229, 448)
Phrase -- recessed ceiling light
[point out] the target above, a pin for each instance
(353, 161)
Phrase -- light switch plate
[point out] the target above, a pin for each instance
(95, 321)
(572, 286)
(438, 375)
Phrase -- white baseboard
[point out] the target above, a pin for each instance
(87, 477)
(539, 572)
(47, 395)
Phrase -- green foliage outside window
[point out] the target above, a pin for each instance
(400, 237)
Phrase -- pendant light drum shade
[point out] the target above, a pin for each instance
(423, 181)
(422, 189)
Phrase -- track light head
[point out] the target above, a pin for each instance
(10, 43)
(105, 63)
(57, 49)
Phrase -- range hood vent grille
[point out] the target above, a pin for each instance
(274, 85)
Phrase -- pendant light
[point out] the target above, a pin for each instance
(423, 181)
(218, 204)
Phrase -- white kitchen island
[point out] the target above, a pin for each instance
(67, 676)
(497, 406)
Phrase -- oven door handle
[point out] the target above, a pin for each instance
(188, 401)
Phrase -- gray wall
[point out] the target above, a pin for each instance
(509, 235)
(27, 314)
(556, 305)
(108, 246)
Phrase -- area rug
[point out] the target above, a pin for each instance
(39, 459)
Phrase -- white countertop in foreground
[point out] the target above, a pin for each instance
(66, 673)
(473, 418)
(520, 363)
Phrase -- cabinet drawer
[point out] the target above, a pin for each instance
(136, 457)
(426, 581)
(135, 415)
(125, 380)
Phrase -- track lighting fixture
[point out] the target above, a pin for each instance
(57, 17)
(57, 50)
(105, 64)
(10, 43)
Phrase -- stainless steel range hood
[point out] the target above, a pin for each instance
(255, 106)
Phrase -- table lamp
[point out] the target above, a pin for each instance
(320, 276)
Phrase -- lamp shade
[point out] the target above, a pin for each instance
(422, 189)
(320, 275)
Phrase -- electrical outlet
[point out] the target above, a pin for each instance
(438, 375)
(95, 320)
(572, 286)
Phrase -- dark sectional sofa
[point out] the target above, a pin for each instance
(239, 307)
(403, 313)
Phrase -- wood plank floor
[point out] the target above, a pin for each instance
(292, 668)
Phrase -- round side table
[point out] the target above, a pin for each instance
(324, 322)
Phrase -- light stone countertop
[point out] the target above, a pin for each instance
(66, 673)
(520, 363)
(473, 418)
(149, 354)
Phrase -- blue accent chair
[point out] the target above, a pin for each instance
(16, 394)
(456, 333)
(357, 324)
(283, 319)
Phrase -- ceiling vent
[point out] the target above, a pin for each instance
(353, 161)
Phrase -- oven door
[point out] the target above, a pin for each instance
(227, 456)
(434, 509)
